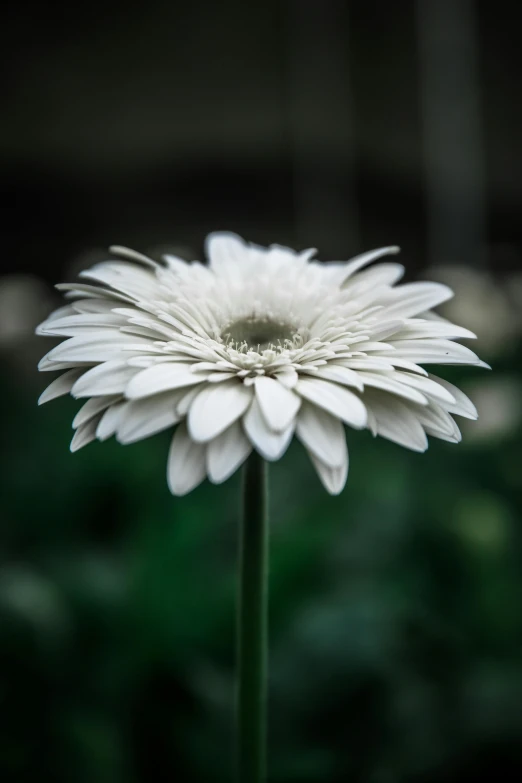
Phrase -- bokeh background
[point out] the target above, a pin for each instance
(396, 609)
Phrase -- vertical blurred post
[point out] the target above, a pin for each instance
(320, 124)
(452, 131)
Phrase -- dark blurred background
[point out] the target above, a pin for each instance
(396, 609)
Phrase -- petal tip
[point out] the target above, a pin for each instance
(216, 236)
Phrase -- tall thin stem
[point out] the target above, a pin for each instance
(252, 629)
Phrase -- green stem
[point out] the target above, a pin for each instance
(252, 630)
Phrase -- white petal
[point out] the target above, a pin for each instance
(133, 255)
(92, 291)
(438, 422)
(216, 407)
(279, 405)
(391, 383)
(366, 258)
(108, 423)
(333, 479)
(60, 386)
(287, 376)
(335, 399)
(61, 312)
(226, 252)
(322, 434)
(186, 462)
(373, 347)
(80, 324)
(382, 274)
(94, 306)
(405, 364)
(426, 385)
(100, 346)
(176, 264)
(47, 364)
(183, 406)
(107, 378)
(218, 377)
(226, 453)
(340, 374)
(162, 377)
(142, 362)
(93, 407)
(443, 436)
(222, 366)
(436, 351)
(85, 434)
(463, 405)
(386, 328)
(454, 436)
(145, 417)
(127, 279)
(430, 315)
(270, 444)
(369, 364)
(418, 329)
(396, 421)
(411, 299)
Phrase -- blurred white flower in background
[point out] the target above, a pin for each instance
(499, 405)
(260, 344)
(24, 301)
(491, 306)
(34, 599)
(483, 304)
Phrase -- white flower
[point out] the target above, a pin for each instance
(261, 344)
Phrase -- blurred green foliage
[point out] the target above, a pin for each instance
(396, 629)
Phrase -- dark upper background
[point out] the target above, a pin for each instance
(396, 609)
(293, 121)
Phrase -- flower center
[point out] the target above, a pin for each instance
(258, 334)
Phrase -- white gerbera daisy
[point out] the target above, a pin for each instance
(261, 344)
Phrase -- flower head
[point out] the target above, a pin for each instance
(261, 344)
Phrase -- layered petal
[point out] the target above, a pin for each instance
(144, 417)
(322, 434)
(160, 378)
(85, 434)
(333, 479)
(335, 399)
(278, 404)
(107, 378)
(186, 467)
(396, 421)
(216, 407)
(268, 442)
(92, 408)
(226, 453)
(60, 386)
